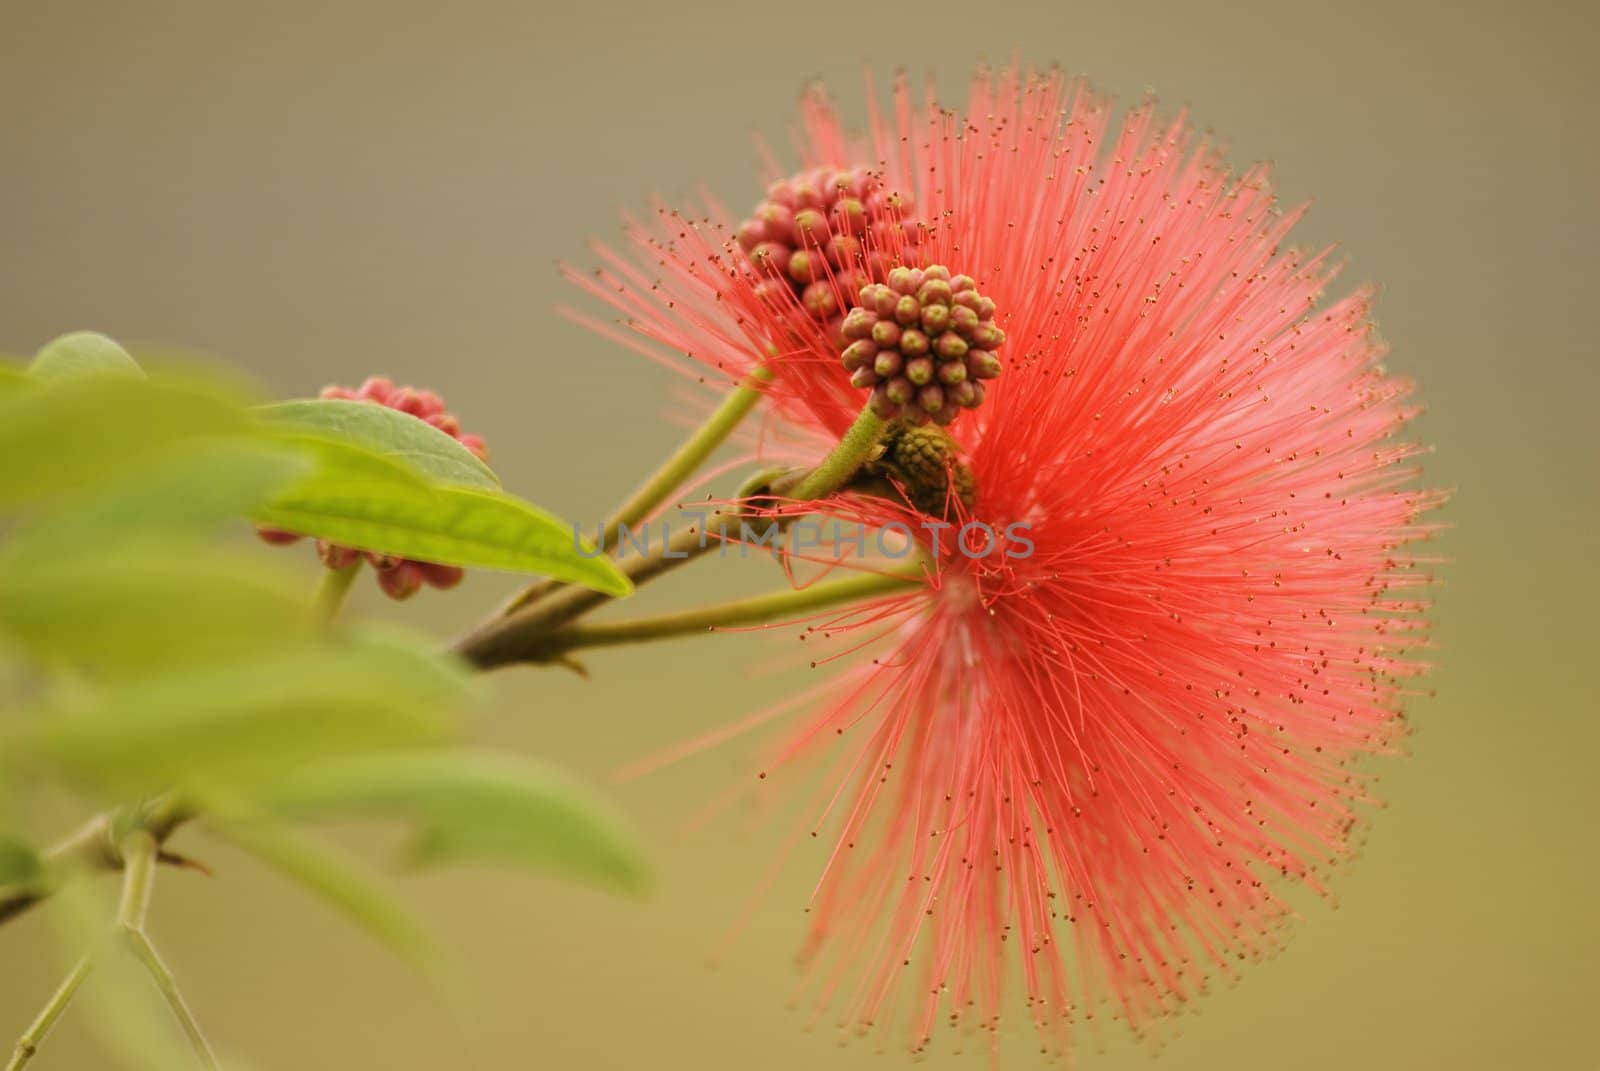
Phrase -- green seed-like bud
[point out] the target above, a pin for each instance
(886, 333)
(950, 346)
(935, 292)
(811, 228)
(987, 336)
(858, 323)
(858, 354)
(981, 364)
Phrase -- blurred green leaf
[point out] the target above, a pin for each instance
(185, 493)
(349, 889)
(19, 864)
(449, 525)
(397, 436)
(144, 609)
(473, 807)
(224, 729)
(12, 376)
(83, 353)
(78, 431)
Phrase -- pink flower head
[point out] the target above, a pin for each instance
(400, 578)
(1089, 761)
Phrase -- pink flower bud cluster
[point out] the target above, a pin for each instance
(826, 233)
(400, 578)
(923, 342)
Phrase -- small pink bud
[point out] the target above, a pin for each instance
(407, 401)
(383, 562)
(849, 217)
(442, 577)
(377, 389)
(859, 323)
(401, 582)
(811, 228)
(778, 221)
(771, 256)
(913, 343)
(820, 300)
(935, 318)
(886, 333)
(278, 537)
(806, 267)
(858, 354)
(844, 251)
(751, 233)
(864, 377)
(907, 311)
(335, 556)
(950, 346)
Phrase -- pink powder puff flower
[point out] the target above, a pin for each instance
(1089, 764)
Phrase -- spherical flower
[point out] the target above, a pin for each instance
(399, 578)
(1169, 595)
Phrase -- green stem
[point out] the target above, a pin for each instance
(94, 847)
(34, 1036)
(139, 851)
(837, 468)
(778, 606)
(501, 641)
(672, 474)
(331, 590)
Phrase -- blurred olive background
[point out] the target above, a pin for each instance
(322, 191)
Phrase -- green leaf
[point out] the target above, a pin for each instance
(183, 495)
(83, 353)
(358, 499)
(12, 377)
(79, 431)
(350, 890)
(19, 864)
(473, 807)
(222, 729)
(145, 609)
(398, 436)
